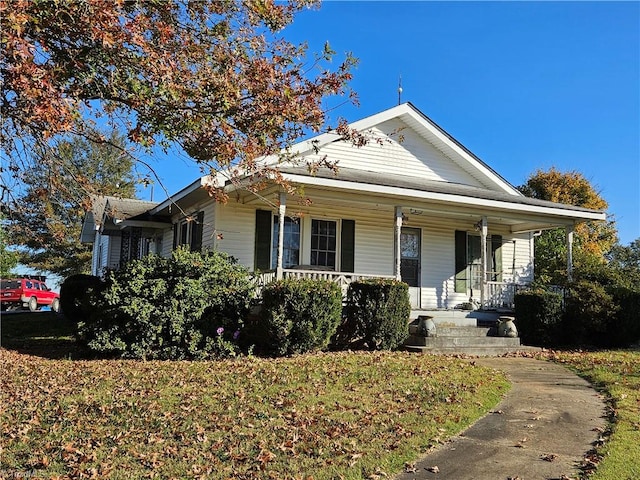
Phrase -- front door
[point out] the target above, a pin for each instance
(410, 262)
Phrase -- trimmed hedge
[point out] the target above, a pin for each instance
(376, 315)
(298, 316)
(191, 305)
(539, 317)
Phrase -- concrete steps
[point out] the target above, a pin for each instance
(463, 333)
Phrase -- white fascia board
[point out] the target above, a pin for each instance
(443, 197)
(143, 224)
(202, 181)
(323, 139)
(364, 124)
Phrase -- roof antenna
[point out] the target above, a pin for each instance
(400, 90)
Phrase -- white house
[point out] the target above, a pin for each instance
(416, 205)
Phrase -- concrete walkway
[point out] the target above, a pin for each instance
(541, 430)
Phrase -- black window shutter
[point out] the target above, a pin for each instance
(175, 236)
(263, 240)
(347, 246)
(196, 232)
(496, 256)
(461, 261)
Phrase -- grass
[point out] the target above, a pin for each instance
(617, 374)
(43, 333)
(325, 416)
(346, 415)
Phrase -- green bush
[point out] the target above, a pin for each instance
(376, 315)
(603, 305)
(191, 305)
(297, 316)
(539, 317)
(625, 329)
(75, 295)
(589, 312)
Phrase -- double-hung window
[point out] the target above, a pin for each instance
(323, 243)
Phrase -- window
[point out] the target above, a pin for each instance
(323, 243)
(188, 231)
(323, 239)
(291, 246)
(468, 253)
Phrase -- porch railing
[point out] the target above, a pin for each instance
(501, 294)
(341, 278)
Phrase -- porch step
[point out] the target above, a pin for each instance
(461, 318)
(462, 341)
(477, 351)
(465, 340)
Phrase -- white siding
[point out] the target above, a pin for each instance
(438, 268)
(209, 226)
(374, 235)
(113, 252)
(412, 156)
(235, 232)
(523, 271)
(167, 243)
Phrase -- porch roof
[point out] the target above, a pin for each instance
(522, 213)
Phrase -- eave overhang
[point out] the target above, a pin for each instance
(520, 213)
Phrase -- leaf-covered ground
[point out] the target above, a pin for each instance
(617, 374)
(338, 415)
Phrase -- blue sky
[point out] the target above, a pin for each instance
(523, 85)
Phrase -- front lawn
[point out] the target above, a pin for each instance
(337, 415)
(617, 375)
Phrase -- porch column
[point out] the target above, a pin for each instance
(398, 231)
(282, 210)
(483, 261)
(569, 230)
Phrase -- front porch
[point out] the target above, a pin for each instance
(499, 297)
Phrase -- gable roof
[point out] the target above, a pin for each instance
(111, 210)
(427, 129)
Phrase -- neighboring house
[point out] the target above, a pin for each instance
(412, 204)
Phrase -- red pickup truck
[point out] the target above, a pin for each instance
(27, 293)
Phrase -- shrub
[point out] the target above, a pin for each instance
(539, 317)
(297, 316)
(75, 295)
(625, 329)
(376, 314)
(590, 309)
(191, 305)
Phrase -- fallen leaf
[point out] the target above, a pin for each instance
(410, 467)
(549, 457)
(433, 469)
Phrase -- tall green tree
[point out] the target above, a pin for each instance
(8, 257)
(626, 260)
(47, 228)
(592, 240)
(216, 77)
